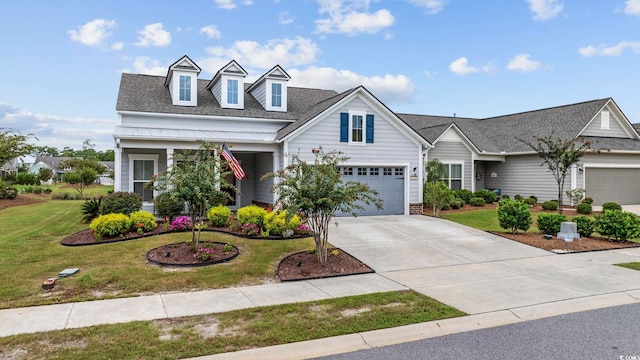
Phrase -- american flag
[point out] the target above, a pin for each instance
(233, 162)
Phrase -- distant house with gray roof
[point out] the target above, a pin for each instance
(265, 121)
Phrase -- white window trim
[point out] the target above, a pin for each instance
(133, 157)
(224, 92)
(461, 163)
(268, 94)
(180, 87)
(364, 128)
(174, 88)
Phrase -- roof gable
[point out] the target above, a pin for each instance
(182, 64)
(276, 73)
(610, 122)
(232, 68)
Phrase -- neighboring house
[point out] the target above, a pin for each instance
(16, 164)
(265, 121)
(54, 163)
(106, 178)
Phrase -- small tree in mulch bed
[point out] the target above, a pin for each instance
(196, 180)
(316, 190)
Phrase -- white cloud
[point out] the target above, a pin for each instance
(461, 66)
(351, 17)
(388, 88)
(432, 6)
(154, 35)
(147, 65)
(632, 7)
(285, 52)
(284, 18)
(615, 50)
(211, 31)
(57, 131)
(117, 46)
(523, 63)
(93, 33)
(231, 4)
(545, 9)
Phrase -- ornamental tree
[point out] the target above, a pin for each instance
(559, 155)
(197, 181)
(13, 144)
(437, 195)
(80, 178)
(317, 191)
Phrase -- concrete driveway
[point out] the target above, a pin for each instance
(478, 272)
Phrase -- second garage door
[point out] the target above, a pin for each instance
(621, 185)
(387, 181)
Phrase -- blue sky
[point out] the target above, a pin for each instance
(61, 60)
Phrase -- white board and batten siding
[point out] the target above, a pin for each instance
(453, 152)
(390, 147)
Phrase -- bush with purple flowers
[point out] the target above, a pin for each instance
(250, 229)
(203, 254)
(181, 223)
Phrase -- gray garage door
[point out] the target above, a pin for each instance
(387, 181)
(613, 184)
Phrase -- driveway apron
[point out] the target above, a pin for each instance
(478, 272)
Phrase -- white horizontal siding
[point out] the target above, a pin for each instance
(390, 147)
(263, 165)
(448, 151)
(614, 130)
(260, 94)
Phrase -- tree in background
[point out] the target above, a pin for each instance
(80, 178)
(437, 194)
(559, 155)
(45, 174)
(78, 163)
(13, 144)
(435, 171)
(316, 191)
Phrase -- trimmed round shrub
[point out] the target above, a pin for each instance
(505, 196)
(7, 192)
(584, 208)
(588, 200)
(275, 222)
(477, 201)
(534, 198)
(121, 203)
(611, 206)
(518, 197)
(464, 194)
(550, 223)
(252, 214)
(584, 224)
(619, 225)
(219, 215)
(218, 197)
(445, 206)
(514, 215)
(456, 203)
(550, 205)
(166, 205)
(529, 201)
(181, 223)
(488, 196)
(109, 225)
(144, 220)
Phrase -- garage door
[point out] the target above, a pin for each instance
(621, 185)
(387, 181)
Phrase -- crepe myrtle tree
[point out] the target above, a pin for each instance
(13, 144)
(197, 180)
(317, 191)
(559, 155)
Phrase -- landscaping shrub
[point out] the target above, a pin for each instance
(218, 197)
(143, 220)
(585, 225)
(121, 202)
(575, 195)
(529, 201)
(477, 201)
(26, 178)
(445, 206)
(167, 206)
(252, 214)
(456, 203)
(514, 215)
(7, 192)
(219, 215)
(550, 223)
(464, 194)
(437, 195)
(611, 206)
(110, 225)
(275, 223)
(534, 198)
(617, 224)
(584, 208)
(518, 197)
(588, 200)
(504, 197)
(550, 205)
(91, 209)
(181, 223)
(488, 196)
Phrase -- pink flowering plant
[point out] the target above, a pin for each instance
(250, 229)
(181, 223)
(203, 254)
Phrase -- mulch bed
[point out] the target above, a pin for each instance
(304, 265)
(560, 246)
(182, 254)
(21, 200)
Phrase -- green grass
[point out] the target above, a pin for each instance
(59, 189)
(231, 331)
(631, 265)
(485, 219)
(30, 252)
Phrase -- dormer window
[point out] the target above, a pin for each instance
(182, 82)
(271, 89)
(276, 95)
(227, 86)
(185, 88)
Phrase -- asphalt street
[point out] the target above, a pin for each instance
(608, 333)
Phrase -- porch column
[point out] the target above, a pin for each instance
(117, 170)
(169, 159)
(276, 167)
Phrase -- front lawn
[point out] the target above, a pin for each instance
(30, 252)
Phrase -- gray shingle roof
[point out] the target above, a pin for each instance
(147, 93)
